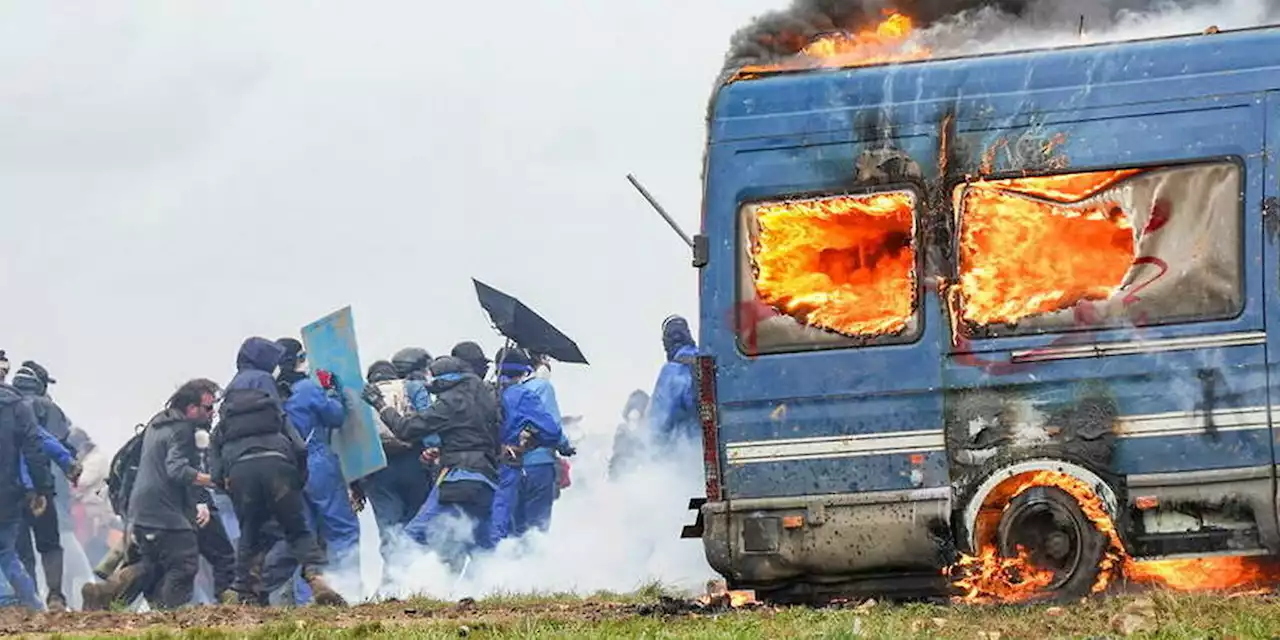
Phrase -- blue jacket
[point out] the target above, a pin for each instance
(420, 400)
(56, 452)
(523, 408)
(255, 364)
(547, 394)
(673, 411)
(314, 412)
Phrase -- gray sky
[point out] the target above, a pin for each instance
(177, 176)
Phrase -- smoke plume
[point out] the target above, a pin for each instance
(607, 534)
(960, 27)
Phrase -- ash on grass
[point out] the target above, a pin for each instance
(1159, 615)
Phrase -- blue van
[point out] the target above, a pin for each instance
(923, 282)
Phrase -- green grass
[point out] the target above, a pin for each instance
(1160, 616)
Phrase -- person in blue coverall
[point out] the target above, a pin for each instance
(527, 425)
(464, 414)
(673, 411)
(540, 484)
(315, 411)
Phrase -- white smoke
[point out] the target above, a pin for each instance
(606, 535)
(986, 30)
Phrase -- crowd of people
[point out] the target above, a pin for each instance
(243, 475)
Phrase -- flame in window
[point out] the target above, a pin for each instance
(1030, 246)
(840, 263)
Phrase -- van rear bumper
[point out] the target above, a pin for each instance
(828, 539)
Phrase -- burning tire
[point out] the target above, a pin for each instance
(1047, 526)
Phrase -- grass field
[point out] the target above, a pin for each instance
(644, 614)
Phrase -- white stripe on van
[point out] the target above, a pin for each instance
(1139, 346)
(1176, 423)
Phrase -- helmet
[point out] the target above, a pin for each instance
(410, 360)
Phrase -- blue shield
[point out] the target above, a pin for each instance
(330, 343)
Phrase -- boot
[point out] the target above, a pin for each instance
(110, 562)
(52, 564)
(99, 596)
(55, 603)
(321, 592)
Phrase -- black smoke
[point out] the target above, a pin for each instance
(778, 35)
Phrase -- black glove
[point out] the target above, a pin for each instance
(373, 396)
(567, 450)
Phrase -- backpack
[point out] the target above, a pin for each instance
(124, 471)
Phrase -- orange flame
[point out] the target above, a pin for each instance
(1224, 573)
(988, 578)
(886, 42)
(842, 263)
(1027, 245)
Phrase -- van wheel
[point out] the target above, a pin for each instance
(1049, 524)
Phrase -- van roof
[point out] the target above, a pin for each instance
(1042, 81)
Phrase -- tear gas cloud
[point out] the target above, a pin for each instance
(615, 535)
(966, 27)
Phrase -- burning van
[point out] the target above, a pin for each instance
(999, 326)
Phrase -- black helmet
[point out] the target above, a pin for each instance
(410, 360)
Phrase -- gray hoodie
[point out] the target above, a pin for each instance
(164, 493)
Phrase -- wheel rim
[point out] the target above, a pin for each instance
(1050, 531)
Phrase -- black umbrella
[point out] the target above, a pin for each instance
(525, 327)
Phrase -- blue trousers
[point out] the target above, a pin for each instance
(329, 512)
(523, 500)
(396, 494)
(426, 527)
(24, 587)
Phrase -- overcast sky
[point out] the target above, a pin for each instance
(176, 176)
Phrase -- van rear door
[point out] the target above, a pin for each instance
(805, 412)
(1139, 348)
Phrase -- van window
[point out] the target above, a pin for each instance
(1104, 248)
(828, 271)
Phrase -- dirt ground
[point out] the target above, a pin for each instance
(1153, 615)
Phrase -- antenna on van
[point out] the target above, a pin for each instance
(1080, 32)
(662, 212)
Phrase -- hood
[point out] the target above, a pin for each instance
(9, 395)
(260, 354)
(639, 401)
(166, 418)
(448, 372)
(472, 354)
(676, 336)
(381, 371)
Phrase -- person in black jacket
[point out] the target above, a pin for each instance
(258, 457)
(465, 416)
(168, 488)
(19, 436)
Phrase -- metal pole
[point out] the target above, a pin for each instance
(662, 212)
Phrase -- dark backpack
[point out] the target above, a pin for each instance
(124, 470)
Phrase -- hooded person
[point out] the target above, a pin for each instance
(673, 412)
(464, 415)
(258, 457)
(19, 440)
(473, 356)
(397, 491)
(527, 424)
(314, 406)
